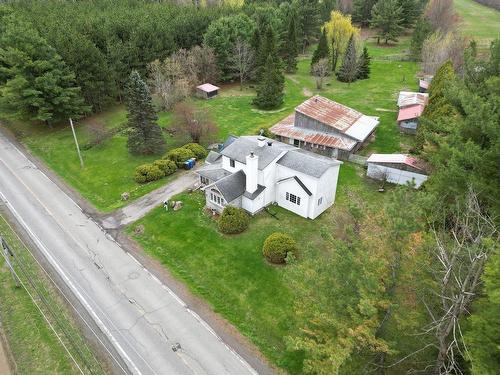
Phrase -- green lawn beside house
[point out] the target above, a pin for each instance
(230, 273)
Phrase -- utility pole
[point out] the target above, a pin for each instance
(7, 254)
(76, 142)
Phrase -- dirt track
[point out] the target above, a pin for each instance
(4, 364)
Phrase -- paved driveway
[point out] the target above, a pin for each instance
(142, 319)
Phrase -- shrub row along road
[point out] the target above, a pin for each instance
(150, 328)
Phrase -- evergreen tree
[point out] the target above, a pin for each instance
(271, 85)
(290, 46)
(364, 65)
(411, 10)
(309, 19)
(362, 11)
(322, 51)
(267, 47)
(145, 136)
(36, 85)
(387, 17)
(349, 68)
(422, 30)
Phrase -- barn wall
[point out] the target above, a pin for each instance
(395, 176)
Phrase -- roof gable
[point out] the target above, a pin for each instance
(299, 182)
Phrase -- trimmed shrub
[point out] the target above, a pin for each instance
(147, 172)
(233, 220)
(179, 155)
(277, 246)
(167, 166)
(198, 150)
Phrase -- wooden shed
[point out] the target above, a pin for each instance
(397, 169)
(207, 91)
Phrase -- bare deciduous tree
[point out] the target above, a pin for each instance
(194, 123)
(97, 133)
(242, 61)
(441, 15)
(320, 70)
(460, 255)
(439, 48)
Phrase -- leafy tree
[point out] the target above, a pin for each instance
(362, 11)
(223, 34)
(349, 68)
(290, 46)
(145, 136)
(483, 333)
(271, 85)
(422, 30)
(363, 71)
(338, 30)
(36, 85)
(387, 17)
(321, 51)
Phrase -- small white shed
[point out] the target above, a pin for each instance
(207, 91)
(397, 169)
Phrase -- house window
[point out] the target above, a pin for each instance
(216, 198)
(204, 180)
(293, 198)
(231, 163)
(320, 200)
(296, 143)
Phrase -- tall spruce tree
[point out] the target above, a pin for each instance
(267, 46)
(35, 84)
(309, 20)
(362, 11)
(422, 30)
(349, 68)
(290, 45)
(322, 51)
(363, 71)
(411, 10)
(145, 136)
(387, 17)
(271, 85)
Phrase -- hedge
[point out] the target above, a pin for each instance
(198, 150)
(147, 173)
(233, 220)
(179, 155)
(277, 246)
(167, 166)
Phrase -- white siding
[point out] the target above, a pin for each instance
(326, 191)
(292, 187)
(395, 176)
(227, 166)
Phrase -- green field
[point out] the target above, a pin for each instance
(230, 272)
(478, 21)
(34, 346)
(109, 167)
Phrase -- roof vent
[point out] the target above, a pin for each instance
(261, 141)
(251, 154)
(269, 143)
(315, 100)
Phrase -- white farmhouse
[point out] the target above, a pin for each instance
(253, 172)
(397, 169)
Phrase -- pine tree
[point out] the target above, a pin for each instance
(362, 11)
(145, 136)
(322, 51)
(363, 71)
(387, 17)
(309, 19)
(422, 30)
(267, 46)
(411, 10)
(271, 85)
(290, 46)
(35, 83)
(349, 68)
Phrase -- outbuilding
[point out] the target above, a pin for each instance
(408, 118)
(397, 169)
(207, 91)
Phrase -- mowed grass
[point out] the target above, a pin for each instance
(109, 168)
(230, 272)
(478, 21)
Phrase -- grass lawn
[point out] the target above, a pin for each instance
(34, 346)
(478, 21)
(229, 271)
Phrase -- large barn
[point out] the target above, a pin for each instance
(326, 127)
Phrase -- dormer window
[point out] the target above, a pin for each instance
(232, 163)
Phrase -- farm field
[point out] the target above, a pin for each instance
(109, 167)
(478, 21)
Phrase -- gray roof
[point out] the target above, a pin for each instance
(228, 141)
(302, 185)
(307, 162)
(232, 186)
(255, 194)
(212, 157)
(213, 172)
(240, 148)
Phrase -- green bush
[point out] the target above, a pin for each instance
(147, 172)
(277, 246)
(198, 150)
(179, 155)
(167, 166)
(233, 220)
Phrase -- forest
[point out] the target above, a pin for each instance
(411, 282)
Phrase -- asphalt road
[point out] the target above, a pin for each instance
(140, 317)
